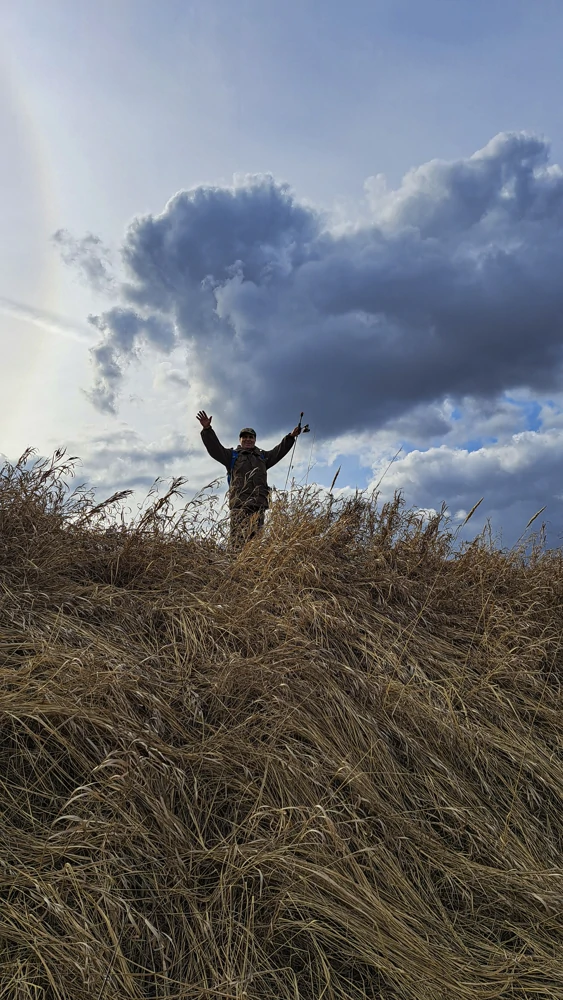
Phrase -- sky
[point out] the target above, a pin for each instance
(255, 210)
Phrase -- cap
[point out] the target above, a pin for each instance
(248, 431)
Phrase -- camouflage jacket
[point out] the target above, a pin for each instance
(249, 480)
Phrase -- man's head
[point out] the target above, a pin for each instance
(247, 438)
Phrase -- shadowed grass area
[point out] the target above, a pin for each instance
(330, 766)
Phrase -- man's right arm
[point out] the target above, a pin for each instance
(215, 448)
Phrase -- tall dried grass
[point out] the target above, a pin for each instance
(330, 766)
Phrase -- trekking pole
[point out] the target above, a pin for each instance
(305, 430)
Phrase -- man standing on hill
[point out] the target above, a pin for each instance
(247, 468)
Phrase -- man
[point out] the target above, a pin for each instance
(247, 466)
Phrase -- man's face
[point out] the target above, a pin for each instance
(247, 442)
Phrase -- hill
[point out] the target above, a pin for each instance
(330, 766)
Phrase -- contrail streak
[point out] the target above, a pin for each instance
(46, 321)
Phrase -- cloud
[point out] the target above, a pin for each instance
(88, 256)
(123, 332)
(498, 183)
(516, 477)
(122, 459)
(48, 321)
(451, 287)
(167, 377)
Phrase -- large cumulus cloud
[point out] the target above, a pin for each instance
(451, 286)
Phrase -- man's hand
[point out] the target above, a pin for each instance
(296, 431)
(204, 420)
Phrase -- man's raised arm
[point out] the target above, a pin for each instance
(276, 454)
(211, 441)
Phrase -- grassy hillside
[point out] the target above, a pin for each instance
(329, 767)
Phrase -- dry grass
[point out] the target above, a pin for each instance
(331, 767)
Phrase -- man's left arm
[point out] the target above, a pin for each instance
(282, 449)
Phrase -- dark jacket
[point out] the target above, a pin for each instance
(249, 481)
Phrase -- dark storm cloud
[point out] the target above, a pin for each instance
(452, 287)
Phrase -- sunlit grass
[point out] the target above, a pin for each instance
(328, 766)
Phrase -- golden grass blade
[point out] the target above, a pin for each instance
(537, 514)
(335, 478)
(472, 511)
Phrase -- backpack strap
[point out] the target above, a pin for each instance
(234, 455)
